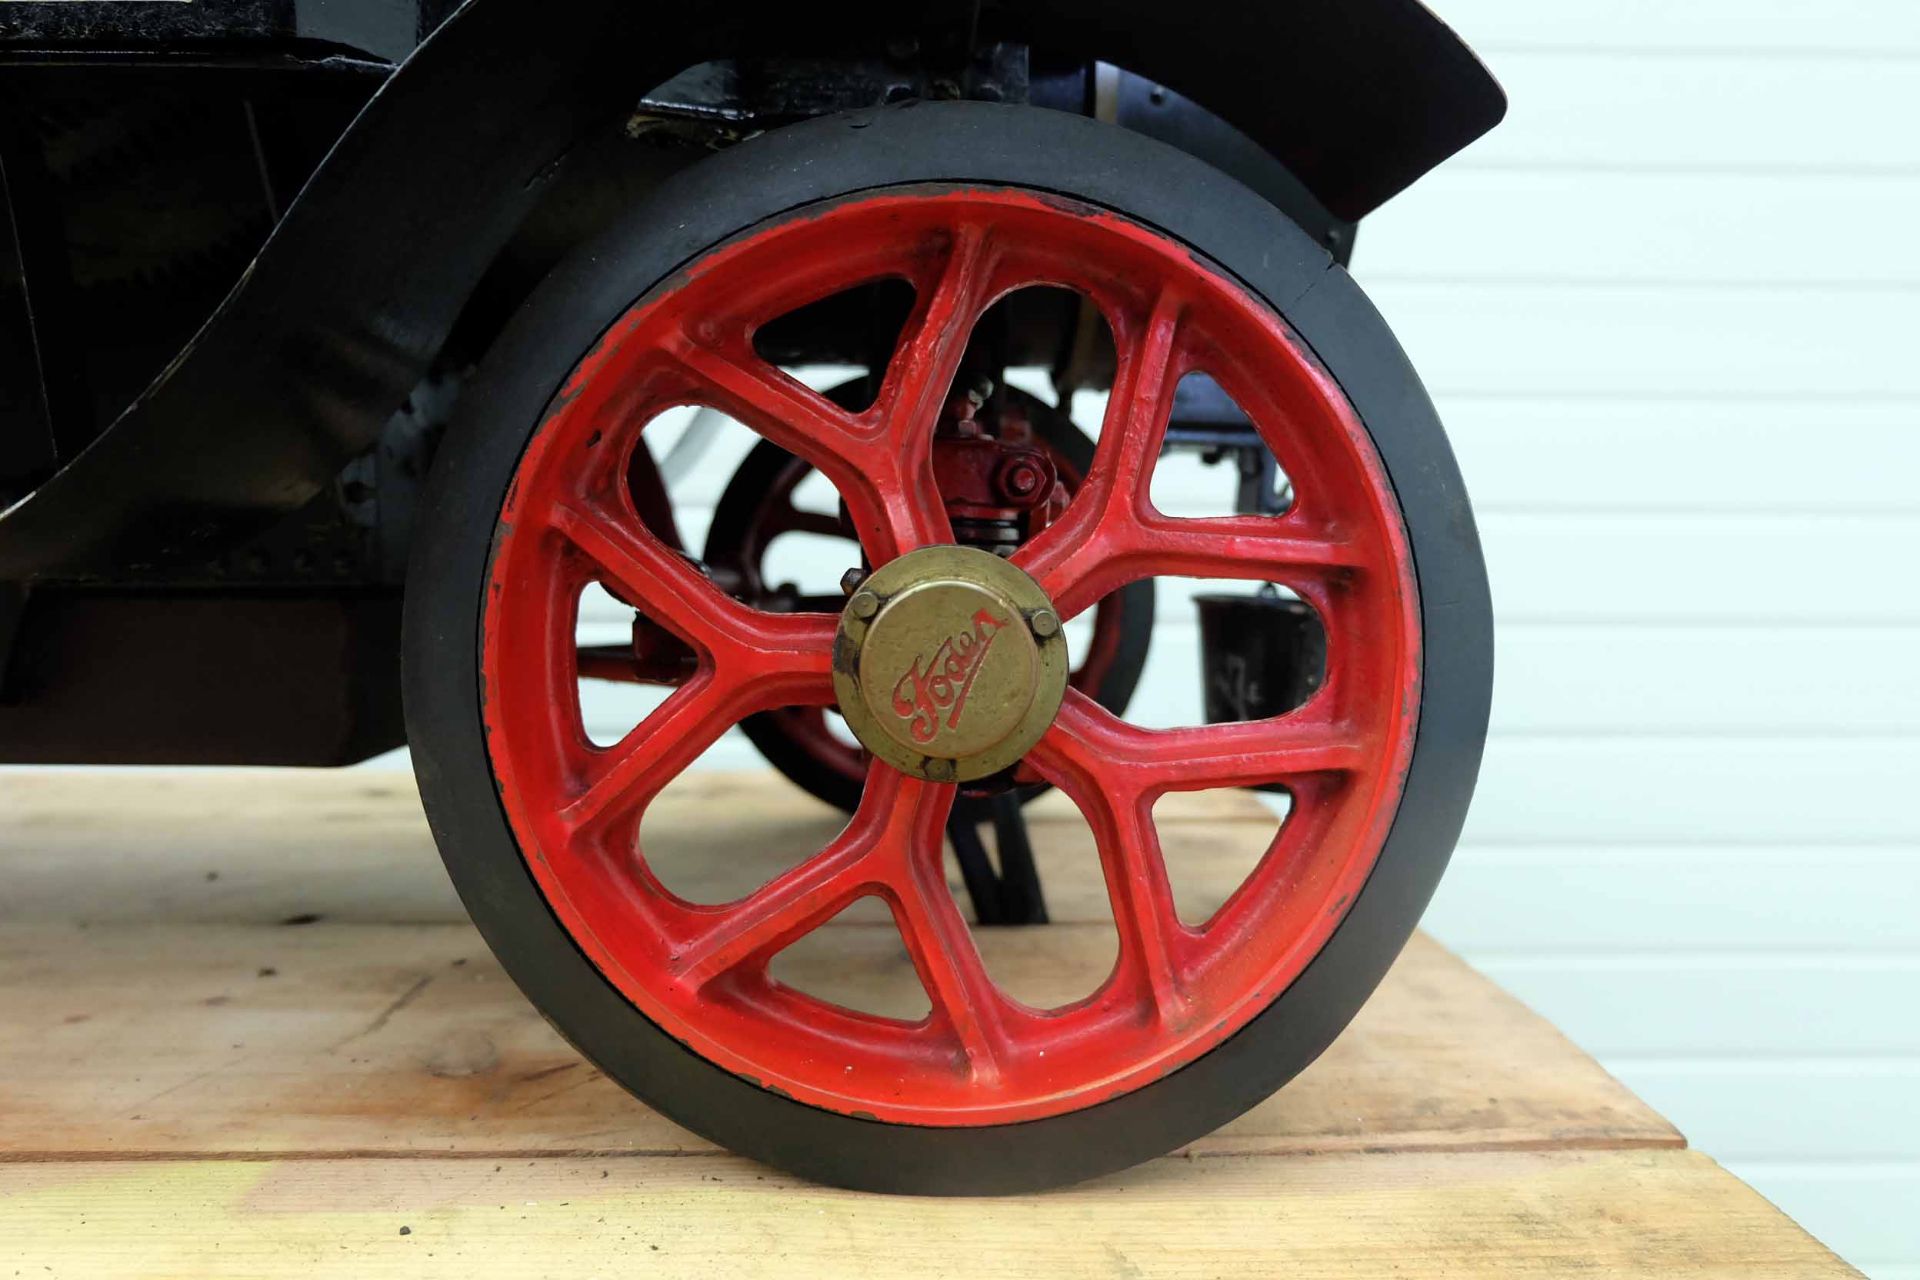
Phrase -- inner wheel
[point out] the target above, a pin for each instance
(700, 971)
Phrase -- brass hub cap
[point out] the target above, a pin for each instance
(949, 663)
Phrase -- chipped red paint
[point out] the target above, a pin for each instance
(979, 1057)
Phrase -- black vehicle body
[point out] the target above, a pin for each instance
(251, 248)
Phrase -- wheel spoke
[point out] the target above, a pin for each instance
(644, 572)
(794, 650)
(1155, 761)
(628, 775)
(894, 499)
(919, 379)
(881, 461)
(927, 357)
(1254, 548)
(1269, 548)
(807, 896)
(1113, 497)
(770, 661)
(966, 1002)
(1244, 755)
(1072, 757)
(887, 515)
(728, 374)
(753, 661)
(1315, 804)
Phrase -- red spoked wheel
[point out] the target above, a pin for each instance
(701, 972)
(948, 662)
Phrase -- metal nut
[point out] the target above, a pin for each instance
(1020, 478)
(1045, 623)
(864, 605)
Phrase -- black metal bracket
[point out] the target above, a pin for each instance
(1206, 420)
(1010, 894)
(732, 98)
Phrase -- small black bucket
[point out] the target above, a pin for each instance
(1260, 655)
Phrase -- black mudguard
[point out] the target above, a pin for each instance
(345, 307)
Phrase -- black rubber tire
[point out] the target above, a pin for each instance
(757, 473)
(995, 146)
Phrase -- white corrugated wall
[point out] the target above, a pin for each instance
(1668, 311)
(1671, 313)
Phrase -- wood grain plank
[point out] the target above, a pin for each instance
(1671, 1213)
(161, 1012)
(137, 1041)
(204, 1074)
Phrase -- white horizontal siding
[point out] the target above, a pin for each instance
(1546, 900)
(1708, 567)
(1632, 340)
(1653, 227)
(1598, 790)
(1745, 1000)
(1667, 311)
(1685, 455)
(1723, 28)
(1854, 1107)
(1687, 680)
(1703, 111)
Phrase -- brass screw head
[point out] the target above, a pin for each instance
(864, 605)
(1045, 622)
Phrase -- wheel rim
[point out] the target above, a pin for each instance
(700, 971)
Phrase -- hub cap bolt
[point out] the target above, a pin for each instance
(1045, 622)
(864, 605)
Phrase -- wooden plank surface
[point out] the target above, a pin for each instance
(1665, 1213)
(165, 1007)
(220, 1039)
(231, 1002)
